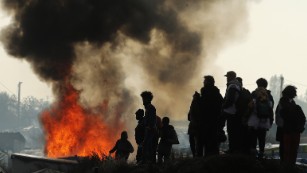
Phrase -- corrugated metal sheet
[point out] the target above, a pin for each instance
(46, 170)
(22, 163)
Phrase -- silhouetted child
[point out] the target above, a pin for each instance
(122, 147)
(168, 138)
(139, 134)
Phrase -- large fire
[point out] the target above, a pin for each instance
(71, 130)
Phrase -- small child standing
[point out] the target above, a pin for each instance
(122, 147)
(168, 138)
(139, 134)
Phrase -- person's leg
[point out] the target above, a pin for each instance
(234, 133)
(213, 146)
(192, 144)
(281, 150)
(240, 135)
(261, 133)
(287, 148)
(245, 140)
(279, 137)
(160, 157)
(139, 154)
(206, 148)
(294, 147)
(168, 154)
(253, 141)
(230, 133)
(154, 147)
(291, 144)
(199, 146)
(148, 148)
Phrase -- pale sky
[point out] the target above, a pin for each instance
(276, 43)
(13, 71)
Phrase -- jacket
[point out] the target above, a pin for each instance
(231, 96)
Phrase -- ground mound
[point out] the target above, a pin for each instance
(216, 164)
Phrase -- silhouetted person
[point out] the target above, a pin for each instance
(260, 134)
(168, 135)
(150, 118)
(260, 120)
(122, 148)
(293, 124)
(139, 134)
(229, 113)
(210, 109)
(244, 109)
(194, 118)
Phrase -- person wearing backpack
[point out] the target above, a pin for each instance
(230, 115)
(293, 125)
(260, 120)
(168, 138)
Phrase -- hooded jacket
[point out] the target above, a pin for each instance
(231, 96)
(210, 106)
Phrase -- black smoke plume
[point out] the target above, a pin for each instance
(107, 47)
(45, 31)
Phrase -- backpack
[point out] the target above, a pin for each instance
(172, 138)
(242, 102)
(300, 117)
(264, 109)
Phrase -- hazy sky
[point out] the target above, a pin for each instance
(276, 43)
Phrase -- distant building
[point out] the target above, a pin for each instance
(12, 141)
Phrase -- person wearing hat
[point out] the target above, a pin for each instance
(229, 112)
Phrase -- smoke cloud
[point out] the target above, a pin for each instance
(115, 49)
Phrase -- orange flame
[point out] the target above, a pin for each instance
(70, 130)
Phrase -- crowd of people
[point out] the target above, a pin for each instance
(152, 135)
(247, 117)
(241, 116)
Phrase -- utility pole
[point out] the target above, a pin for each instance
(281, 85)
(18, 107)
